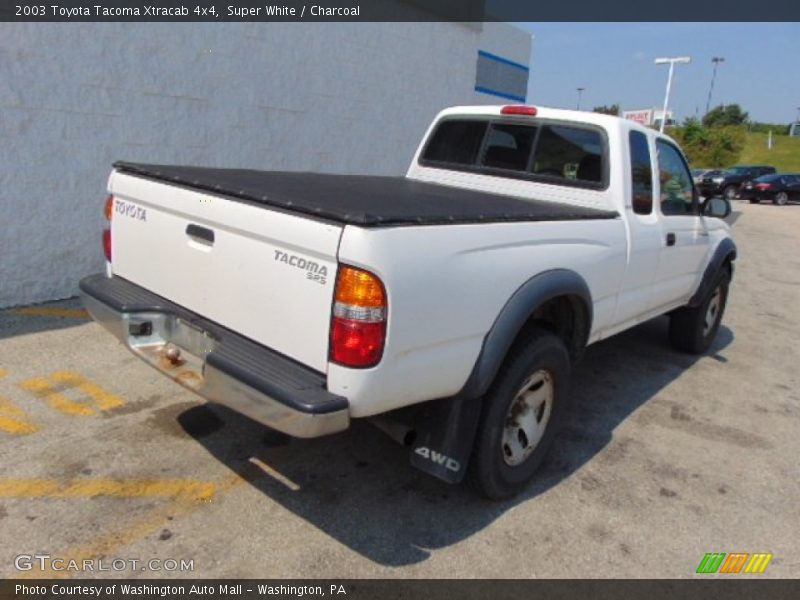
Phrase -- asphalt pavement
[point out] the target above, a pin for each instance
(666, 457)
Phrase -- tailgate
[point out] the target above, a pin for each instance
(266, 274)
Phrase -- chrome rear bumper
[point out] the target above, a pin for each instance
(216, 363)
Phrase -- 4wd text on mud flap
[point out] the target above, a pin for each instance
(440, 459)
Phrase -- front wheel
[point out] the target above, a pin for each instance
(693, 329)
(729, 192)
(521, 414)
(781, 198)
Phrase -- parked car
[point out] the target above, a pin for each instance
(699, 174)
(729, 181)
(778, 187)
(448, 306)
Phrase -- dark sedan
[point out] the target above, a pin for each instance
(727, 183)
(780, 188)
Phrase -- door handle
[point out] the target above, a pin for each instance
(201, 233)
(670, 239)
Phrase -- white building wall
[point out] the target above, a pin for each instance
(75, 97)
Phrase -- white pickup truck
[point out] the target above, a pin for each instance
(448, 306)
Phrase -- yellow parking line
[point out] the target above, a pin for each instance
(120, 488)
(104, 399)
(108, 543)
(39, 386)
(46, 311)
(13, 419)
(42, 387)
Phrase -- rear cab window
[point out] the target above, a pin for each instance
(547, 151)
(509, 147)
(456, 142)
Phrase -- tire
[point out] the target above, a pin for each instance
(781, 198)
(693, 329)
(504, 460)
(729, 192)
(755, 201)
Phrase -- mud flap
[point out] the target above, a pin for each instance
(445, 434)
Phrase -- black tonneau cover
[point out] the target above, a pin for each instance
(367, 201)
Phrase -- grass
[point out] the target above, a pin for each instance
(784, 155)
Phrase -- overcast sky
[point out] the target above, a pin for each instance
(614, 62)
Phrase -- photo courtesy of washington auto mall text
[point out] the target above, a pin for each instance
(177, 590)
(399, 299)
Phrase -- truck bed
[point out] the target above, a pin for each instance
(366, 201)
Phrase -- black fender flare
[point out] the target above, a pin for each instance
(446, 429)
(512, 318)
(725, 251)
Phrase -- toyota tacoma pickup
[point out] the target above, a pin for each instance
(447, 306)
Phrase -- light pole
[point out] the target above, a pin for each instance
(671, 62)
(798, 115)
(716, 60)
(580, 91)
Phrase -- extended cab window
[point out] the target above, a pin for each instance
(641, 174)
(509, 146)
(677, 192)
(569, 152)
(456, 142)
(539, 151)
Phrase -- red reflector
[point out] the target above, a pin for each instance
(107, 244)
(518, 109)
(357, 343)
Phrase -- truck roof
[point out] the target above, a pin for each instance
(544, 112)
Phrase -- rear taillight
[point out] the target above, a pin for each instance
(763, 186)
(358, 323)
(108, 210)
(107, 244)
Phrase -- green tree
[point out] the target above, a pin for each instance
(710, 146)
(775, 128)
(607, 110)
(723, 116)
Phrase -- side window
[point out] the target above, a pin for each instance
(509, 146)
(677, 196)
(570, 152)
(456, 142)
(641, 174)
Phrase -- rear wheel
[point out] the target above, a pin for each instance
(522, 412)
(781, 198)
(693, 329)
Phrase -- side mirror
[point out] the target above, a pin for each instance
(718, 207)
